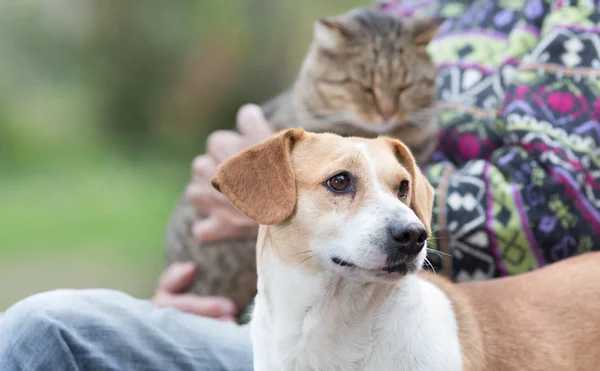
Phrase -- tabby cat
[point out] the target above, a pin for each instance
(367, 73)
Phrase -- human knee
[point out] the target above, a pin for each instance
(35, 323)
(68, 308)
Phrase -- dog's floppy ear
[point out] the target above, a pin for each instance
(421, 199)
(260, 181)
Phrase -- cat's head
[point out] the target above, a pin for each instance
(370, 69)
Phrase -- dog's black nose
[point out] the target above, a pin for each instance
(409, 238)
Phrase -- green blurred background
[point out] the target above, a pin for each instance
(103, 104)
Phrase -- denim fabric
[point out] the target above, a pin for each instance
(98, 330)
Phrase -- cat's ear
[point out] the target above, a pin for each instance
(424, 29)
(331, 33)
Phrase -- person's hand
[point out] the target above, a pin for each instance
(223, 220)
(170, 293)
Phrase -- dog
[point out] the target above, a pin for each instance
(343, 238)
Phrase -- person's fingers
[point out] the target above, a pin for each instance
(207, 306)
(211, 229)
(178, 277)
(201, 196)
(205, 198)
(223, 144)
(216, 229)
(226, 318)
(252, 124)
(203, 167)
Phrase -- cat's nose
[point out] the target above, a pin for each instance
(387, 108)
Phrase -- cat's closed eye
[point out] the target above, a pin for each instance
(341, 81)
(368, 90)
(405, 87)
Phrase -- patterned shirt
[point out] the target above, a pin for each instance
(517, 169)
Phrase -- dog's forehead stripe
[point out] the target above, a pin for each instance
(362, 148)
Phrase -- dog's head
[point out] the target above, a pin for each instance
(358, 207)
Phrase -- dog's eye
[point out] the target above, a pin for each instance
(403, 189)
(339, 183)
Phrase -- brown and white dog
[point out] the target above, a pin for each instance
(343, 236)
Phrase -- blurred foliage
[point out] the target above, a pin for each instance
(103, 103)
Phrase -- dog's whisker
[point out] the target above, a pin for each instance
(281, 228)
(435, 238)
(435, 245)
(302, 261)
(301, 252)
(430, 265)
(439, 256)
(435, 230)
(443, 253)
(432, 243)
(439, 252)
(435, 252)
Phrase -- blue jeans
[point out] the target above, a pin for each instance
(107, 330)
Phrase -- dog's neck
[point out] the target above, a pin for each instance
(305, 311)
(319, 321)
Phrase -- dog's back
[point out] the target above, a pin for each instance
(548, 319)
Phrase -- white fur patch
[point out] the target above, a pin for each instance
(319, 322)
(372, 170)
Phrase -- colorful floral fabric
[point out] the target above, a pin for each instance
(517, 171)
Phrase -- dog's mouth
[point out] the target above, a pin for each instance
(396, 267)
